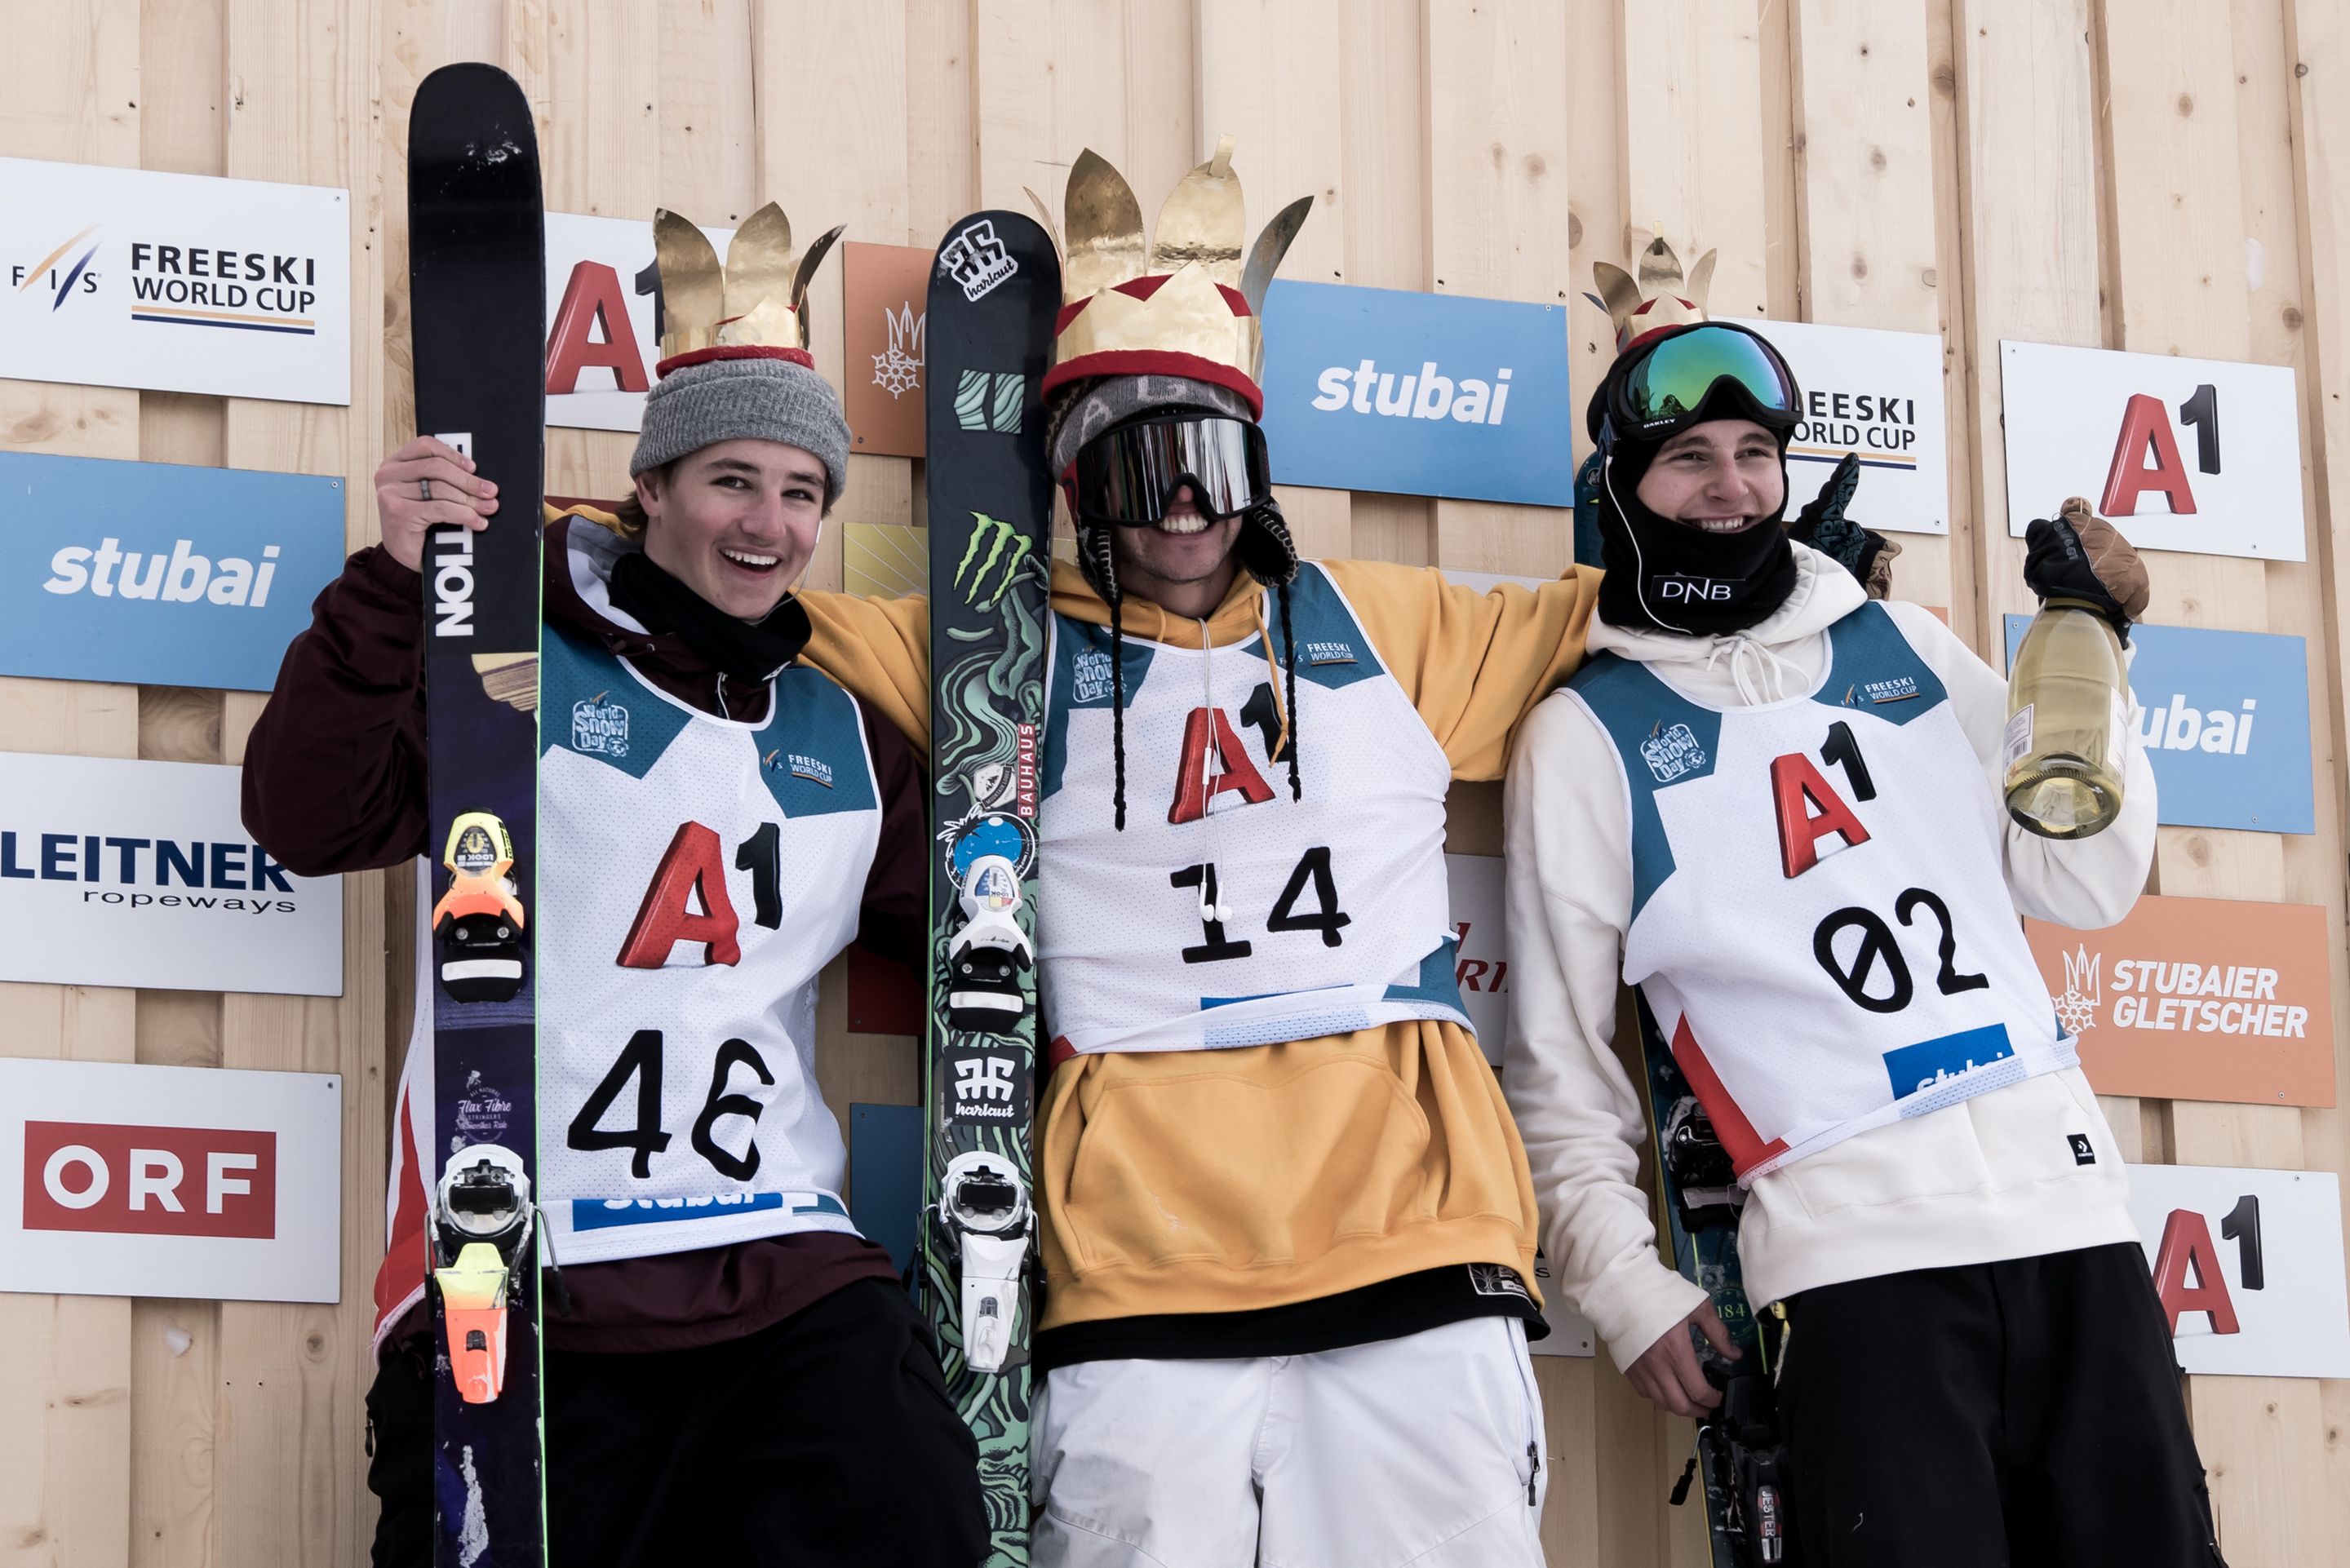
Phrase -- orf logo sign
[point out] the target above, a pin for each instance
(149, 1180)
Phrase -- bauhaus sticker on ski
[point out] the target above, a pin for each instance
(2198, 998)
(176, 282)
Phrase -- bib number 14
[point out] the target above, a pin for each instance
(1311, 875)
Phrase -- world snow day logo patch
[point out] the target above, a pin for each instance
(1673, 754)
(599, 727)
(2224, 719)
(1369, 388)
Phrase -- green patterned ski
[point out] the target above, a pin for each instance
(993, 295)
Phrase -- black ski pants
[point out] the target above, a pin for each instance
(2005, 1415)
(824, 1441)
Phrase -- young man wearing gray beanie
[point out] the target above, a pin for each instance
(1287, 1230)
(731, 1372)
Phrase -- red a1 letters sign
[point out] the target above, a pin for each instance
(169, 1181)
(2202, 455)
(2248, 1266)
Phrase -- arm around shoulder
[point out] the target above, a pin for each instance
(879, 650)
(1474, 662)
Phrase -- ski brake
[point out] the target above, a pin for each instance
(484, 1227)
(983, 1204)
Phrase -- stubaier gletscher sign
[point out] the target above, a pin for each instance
(2198, 998)
(176, 282)
(141, 874)
(206, 1182)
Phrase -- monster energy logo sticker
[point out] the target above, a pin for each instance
(986, 400)
(995, 534)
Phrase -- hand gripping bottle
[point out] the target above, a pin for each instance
(2068, 719)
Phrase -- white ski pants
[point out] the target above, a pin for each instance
(1421, 1450)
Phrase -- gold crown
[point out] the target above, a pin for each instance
(753, 302)
(1186, 307)
(1660, 298)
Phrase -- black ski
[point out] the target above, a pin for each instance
(477, 281)
(993, 293)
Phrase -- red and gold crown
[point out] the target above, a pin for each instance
(752, 308)
(1184, 306)
(1662, 298)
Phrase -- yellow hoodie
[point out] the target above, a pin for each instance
(1256, 1177)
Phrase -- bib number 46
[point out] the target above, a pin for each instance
(640, 1059)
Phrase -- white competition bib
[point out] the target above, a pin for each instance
(1226, 913)
(695, 873)
(1820, 920)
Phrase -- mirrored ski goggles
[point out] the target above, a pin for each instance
(1672, 382)
(1129, 473)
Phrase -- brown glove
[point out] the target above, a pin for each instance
(2110, 557)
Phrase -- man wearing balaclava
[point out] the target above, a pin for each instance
(1287, 1233)
(1773, 804)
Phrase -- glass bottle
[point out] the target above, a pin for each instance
(2067, 724)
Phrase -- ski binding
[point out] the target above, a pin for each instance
(485, 1219)
(988, 953)
(983, 1203)
(479, 920)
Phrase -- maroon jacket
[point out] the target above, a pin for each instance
(334, 782)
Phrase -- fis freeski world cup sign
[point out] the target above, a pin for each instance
(176, 282)
(1879, 395)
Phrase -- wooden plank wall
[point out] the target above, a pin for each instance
(2165, 175)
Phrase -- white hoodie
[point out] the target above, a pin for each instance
(1990, 1177)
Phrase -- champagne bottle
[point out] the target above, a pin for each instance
(2067, 723)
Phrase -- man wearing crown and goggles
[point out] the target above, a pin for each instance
(1775, 805)
(732, 1374)
(1286, 1228)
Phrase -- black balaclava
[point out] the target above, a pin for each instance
(750, 651)
(1263, 545)
(1664, 575)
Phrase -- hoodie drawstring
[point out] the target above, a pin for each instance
(1759, 674)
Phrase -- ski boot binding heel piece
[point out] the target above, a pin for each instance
(486, 1219)
(985, 958)
(983, 1204)
(479, 920)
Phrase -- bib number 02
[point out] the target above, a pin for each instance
(1878, 948)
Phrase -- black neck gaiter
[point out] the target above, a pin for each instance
(746, 651)
(1667, 575)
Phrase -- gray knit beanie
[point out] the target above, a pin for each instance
(760, 396)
